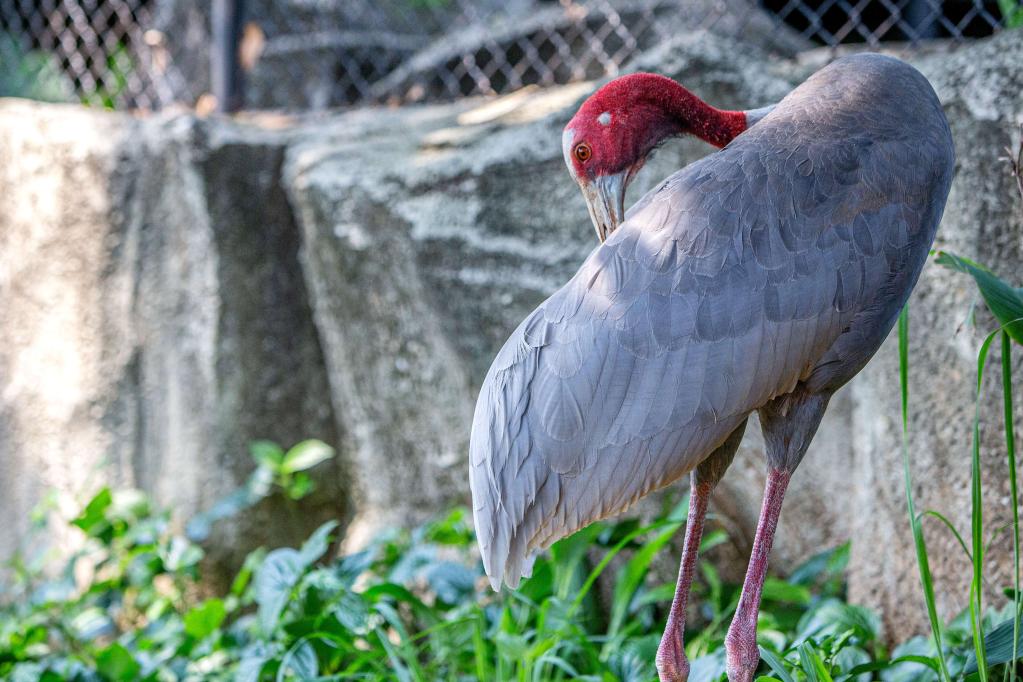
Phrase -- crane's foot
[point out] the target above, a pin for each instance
(741, 653)
(671, 661)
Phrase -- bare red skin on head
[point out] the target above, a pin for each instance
(644, 109)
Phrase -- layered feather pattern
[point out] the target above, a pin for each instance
(783, 258)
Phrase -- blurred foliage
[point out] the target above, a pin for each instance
(414, 605)
(1012, 13)
(276, 471)
(31, 74)
(35, 74)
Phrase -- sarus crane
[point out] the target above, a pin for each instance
(761, 278)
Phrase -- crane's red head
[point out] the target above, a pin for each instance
(617, 127)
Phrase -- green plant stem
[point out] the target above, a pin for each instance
(1010, 449)
(914, 521)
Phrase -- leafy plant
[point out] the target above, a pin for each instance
(414, 605)
(276, 470)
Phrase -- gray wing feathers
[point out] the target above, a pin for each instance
(742, 275)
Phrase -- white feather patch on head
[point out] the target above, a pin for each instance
(604, 119)
(566, 148)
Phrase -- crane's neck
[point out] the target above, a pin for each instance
(681, 112)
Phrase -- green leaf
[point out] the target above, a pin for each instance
(94, 514)
(874, 666)
(1004, 301)
(301, 660)
(998, 646)
(267, 454)
(115, 663)
(775, 664)
(254, 658)
(822, 566)
(203, 620)
(278, 575)
(780, 590)
(316, 545)
(306, 455)
(812, 664)
(452, 582)
(180, 554)
(300, 486)
(352, 612)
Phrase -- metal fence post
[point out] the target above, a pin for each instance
(225, 67)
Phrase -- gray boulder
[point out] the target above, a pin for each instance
(155, 319)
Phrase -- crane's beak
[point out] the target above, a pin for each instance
(605, 198)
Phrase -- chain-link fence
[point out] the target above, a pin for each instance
(311, 54)
(99, 52)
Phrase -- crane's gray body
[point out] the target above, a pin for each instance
(777, 264)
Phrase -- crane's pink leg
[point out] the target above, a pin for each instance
(672, 665)
(742, 655)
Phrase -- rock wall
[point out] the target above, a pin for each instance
(350, 277)
(155, 318)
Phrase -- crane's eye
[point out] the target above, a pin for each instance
(583, 152)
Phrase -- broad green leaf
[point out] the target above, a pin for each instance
(823, 565)
(201, 621)
(180, 554)
(116, 664)
(301, 660)
(1004, 300)
(451, 582)
(94, 514)
(998, 646)
(250, 667)
(316, 545)
(352, 612)
(278, 575)
(267, 454)
(306, 455)
(628, 665)
(350, 567)
(91, 623)
(780, 590)
(708, 668)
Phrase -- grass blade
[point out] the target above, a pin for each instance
(775, 664)
(977, 519)
(952, 529)
(812, 664)
(914, 521)
(1010, 450)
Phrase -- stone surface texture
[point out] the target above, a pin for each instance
(175, 287)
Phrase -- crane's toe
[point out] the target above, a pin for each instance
(672, 664)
